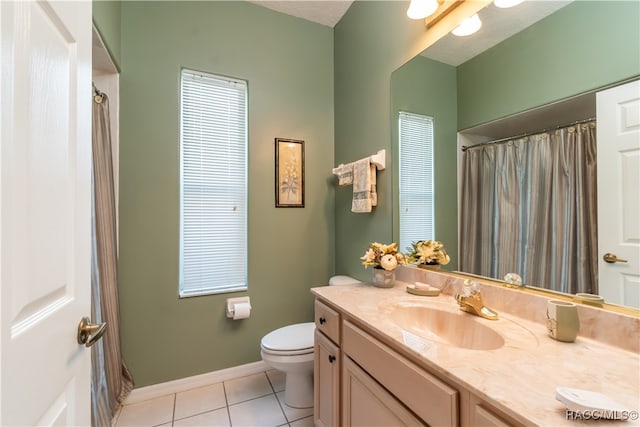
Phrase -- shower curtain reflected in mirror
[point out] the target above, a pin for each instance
(111, 380)
(529, 206)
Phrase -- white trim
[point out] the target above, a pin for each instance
(188, 383)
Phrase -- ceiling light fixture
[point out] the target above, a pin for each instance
(420, 9)
(507, 3)
(468, 26)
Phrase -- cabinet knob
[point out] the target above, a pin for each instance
(322, 320)
(332, 358)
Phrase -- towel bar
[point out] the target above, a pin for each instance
(378, 159)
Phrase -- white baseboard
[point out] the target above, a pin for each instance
(183, 384)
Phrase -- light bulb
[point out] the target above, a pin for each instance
(507, 3)
(420, 9)
(468, 26)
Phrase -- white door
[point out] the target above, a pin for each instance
(45, 178)
(618, 111)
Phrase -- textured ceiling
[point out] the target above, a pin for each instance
(326, 13)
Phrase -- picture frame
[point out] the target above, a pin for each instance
(289, 186)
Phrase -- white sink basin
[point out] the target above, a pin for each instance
(457, 329)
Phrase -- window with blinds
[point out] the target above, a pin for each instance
(213, 187)
(416, 178)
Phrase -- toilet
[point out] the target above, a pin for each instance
(290, 350)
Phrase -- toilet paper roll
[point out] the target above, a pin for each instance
(241, 310)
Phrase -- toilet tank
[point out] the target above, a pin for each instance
(342, 280)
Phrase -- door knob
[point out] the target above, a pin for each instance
(89, 333)
(611, 258)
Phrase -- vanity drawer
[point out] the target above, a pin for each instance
(429, 398)
(327, 321)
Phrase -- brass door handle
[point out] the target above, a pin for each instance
(89, 333)
(611, 258)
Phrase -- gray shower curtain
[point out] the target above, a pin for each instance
(111, 380)
(529, 206)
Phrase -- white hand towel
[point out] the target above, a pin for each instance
(361, 186)
(345, 174)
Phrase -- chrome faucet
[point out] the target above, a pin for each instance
(471, 301)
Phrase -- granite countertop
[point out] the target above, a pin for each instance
(520, 377)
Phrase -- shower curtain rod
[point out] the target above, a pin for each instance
(96, 91)
(509, 138)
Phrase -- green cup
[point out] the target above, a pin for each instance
(562, 320)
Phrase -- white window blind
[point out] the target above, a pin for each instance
(213, 211)
(416, 178)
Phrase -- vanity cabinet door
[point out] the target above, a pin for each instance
(366, 403)
(326, 382)
(484, 415)
(431, 399)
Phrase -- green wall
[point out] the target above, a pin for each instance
(371, 41)
(288, 63)
(427, 87)
(106, 17)
(583, 46)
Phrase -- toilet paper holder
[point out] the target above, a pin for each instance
(231, 302)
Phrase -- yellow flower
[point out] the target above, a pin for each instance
(443, 258)
(428, 252)
(369, 256)
(425, 253)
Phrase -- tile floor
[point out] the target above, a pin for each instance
(251, 401)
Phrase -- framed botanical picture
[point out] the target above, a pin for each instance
(289, 173)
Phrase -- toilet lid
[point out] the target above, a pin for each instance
(288, 338)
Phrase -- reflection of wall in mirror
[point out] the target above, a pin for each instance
(581, 47)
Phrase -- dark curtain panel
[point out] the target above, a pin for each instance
(529, 206)
(111, 380)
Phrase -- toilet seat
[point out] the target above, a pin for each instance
(288, 352)
(290, 340)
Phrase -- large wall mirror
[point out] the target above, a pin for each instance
(530, 69)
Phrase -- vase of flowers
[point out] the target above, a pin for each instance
(428, 254)
(384, 259)
(383, 278)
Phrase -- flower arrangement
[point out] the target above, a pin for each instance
(428, 252)
(383, 256)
